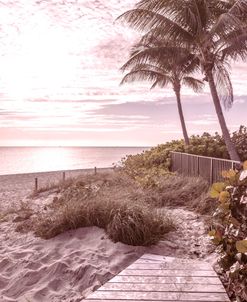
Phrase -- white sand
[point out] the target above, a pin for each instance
(71, 265)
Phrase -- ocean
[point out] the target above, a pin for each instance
(17, 160)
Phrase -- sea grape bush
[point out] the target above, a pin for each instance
(229, 229)
(214, 145)
(148, 166)
(207, 145)
(239, 138)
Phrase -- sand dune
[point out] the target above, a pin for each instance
(64, 268)
(71, 265)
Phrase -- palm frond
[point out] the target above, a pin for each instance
(219, 7)
(151, 67)
(236, 48)
(184, 13)
(170, 7)
(226, 24)
(161, 82)
(167, 57)
(223, 84)
(203, 12)
(192, 17)
(227, 39)
(151, 55)
(178, 36)
(189, 64)
(149, 40)
(146, 75)
(239, 9)
(145, 20)
(169, 50)
(195, 84)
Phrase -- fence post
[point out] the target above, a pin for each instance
(211, 171)
(172, 162)
(188, 166)
(198, 165)
(95, 170)
(63, 176)
(181, 162)
(36, 184)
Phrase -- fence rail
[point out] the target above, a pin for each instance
(57, 176)
(209, 168)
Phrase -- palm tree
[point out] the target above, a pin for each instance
(214, 31)
(163, 64)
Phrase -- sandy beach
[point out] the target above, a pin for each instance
(16, 187)
(71, 265)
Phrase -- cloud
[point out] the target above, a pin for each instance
(204, 120)
(59, 71)
(240, 99)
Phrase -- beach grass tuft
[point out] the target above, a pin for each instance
(112, 201)
(138, 224)
(178, 190)
(129, 212)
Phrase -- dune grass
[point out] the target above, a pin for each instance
(177, 190)
(58, 186)
(128, 212)
(111, 201)
(134, 224)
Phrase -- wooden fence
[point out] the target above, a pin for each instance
(209, 168)
(57, 176)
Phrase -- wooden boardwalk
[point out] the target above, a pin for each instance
(158, 278)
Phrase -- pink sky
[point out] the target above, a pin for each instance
(59, 81)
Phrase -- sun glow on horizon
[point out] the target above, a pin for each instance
(43, 62)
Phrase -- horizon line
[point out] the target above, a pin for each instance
(61, 146)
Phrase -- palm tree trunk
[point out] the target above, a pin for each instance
(226, 135)
(181, 116)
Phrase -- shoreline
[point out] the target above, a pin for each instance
(57, 171)
(16, 187)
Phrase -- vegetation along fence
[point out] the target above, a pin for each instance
(209, 168)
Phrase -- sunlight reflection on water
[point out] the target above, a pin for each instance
(16, 160)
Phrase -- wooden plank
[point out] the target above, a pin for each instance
(140, 287)
(163, 280)
(158, 296)
(168, 259)
(155, 257)
(164, 265)
(148, 261)
(99, 300)
(177, 265)
(172, 273)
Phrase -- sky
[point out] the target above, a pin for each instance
(59, 81)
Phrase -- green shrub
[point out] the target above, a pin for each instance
(207, 145)
(239, 138)
(229, 230)
(151, 164)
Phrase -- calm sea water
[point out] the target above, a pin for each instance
(15, 160)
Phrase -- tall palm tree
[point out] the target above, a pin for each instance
(163, 64)
(214, 31)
